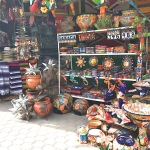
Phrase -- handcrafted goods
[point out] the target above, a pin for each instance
(32, 94)
(62, 104)
(133, 48)
(124, 142)
(68, 24)
(127, 63)
(80, 107)
(86, 21)
(86, 36)
(93, 61)
(128, 17)
(139, 113)
(82, 132)
(43, 107)
(80, 61)
(108, 64)
(94, 124)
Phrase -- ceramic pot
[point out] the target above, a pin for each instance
(128, 17)
(32, 94)
(43, 108)
(68, 24)
(86, 21)
(33, 81)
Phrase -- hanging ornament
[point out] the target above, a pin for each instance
(44, 10)
(108, 64)
(93, 61)
(127, 63)
(80, 62)
(72, 8)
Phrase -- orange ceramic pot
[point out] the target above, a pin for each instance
(43, 108)
(33, 81)
(32, 94)
(86, 21)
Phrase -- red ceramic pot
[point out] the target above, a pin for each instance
(43, 108)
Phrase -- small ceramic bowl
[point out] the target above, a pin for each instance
(94, 124)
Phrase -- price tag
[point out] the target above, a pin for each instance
(113, 35)
(126, 35)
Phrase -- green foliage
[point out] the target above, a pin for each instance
(101, 148)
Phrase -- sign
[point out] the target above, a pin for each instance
(128, 34)
(113, 35)
(66, 38)
(86, 36)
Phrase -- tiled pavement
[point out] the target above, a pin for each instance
(56, 132)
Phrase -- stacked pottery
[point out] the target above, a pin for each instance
(0, 56)
(7, 55)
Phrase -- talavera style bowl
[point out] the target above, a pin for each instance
(86, 21)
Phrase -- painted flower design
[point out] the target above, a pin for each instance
(44, 10)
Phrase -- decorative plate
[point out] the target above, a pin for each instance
(93, 61)
(127, 63)
(108, 63)
(80, 62)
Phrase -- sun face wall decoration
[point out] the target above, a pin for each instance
(127, 63)
(93, 61)
(108, 64)
(80, 61)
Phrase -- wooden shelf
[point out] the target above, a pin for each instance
(34, 14)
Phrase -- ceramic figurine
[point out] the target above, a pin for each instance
(82, 133)
(122, 99)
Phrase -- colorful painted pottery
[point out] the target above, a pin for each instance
(99, 67)
(94, 124)
(86, 21)
(68, 24)
(80, 107)
(62, 104)
(124, 142)
(128, 17)
(116, 21)
(43, 108)
(33, 81)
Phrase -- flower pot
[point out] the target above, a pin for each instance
(86, 21)
(68, 24)
(33, 81)
(128, 17)
(43, 108)
(32, 94)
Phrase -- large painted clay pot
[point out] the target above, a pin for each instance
(68, 24)
(43, 108)
(80, 107)
(128, 17)
(33, 81)
(86, 21)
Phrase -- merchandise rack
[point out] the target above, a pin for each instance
(104, 54)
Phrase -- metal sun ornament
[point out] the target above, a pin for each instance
(108, 64)
(93, 61)
(32, 70)
(80, 62)
(50, 63)
(127, 63)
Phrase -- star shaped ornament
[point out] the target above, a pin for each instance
(80, 62)
(32, 70)
(47, 66)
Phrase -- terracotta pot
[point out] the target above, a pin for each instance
(32, 94)
(43, 108)
(86, 21)
(128, 17)
(68, 24)
(33, 81)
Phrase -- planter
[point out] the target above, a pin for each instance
(43, 108)
(86, 21)
(32, 94)
(68, 24)
(33, 81)
(128, 17)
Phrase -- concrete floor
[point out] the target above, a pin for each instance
(56, 132)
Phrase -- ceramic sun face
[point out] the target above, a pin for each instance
(108, 63)
(93, 61)
(80, 62)
(127, 63)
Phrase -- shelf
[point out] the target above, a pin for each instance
(34, 14)
(96, 31)
(91, 99)
(103, 78)
(115, 54)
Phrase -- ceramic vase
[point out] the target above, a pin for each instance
(68, 24)
(33, 81)
(43, 108)
(86, 21)
(128, 17)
